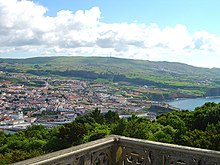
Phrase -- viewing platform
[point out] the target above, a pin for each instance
(119, 150)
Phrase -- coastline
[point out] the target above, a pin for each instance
(192, 103)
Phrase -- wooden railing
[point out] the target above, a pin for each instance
(118, 150)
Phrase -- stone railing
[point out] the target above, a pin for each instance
(118, 150)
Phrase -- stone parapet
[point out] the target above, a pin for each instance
(119, 150)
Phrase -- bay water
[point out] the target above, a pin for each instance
(192, 103)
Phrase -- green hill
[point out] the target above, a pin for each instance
(163, 77)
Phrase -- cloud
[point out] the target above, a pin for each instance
(24, 26)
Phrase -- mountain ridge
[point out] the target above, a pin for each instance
(118, 58)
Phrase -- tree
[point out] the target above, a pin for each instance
(94, 116)
(37, 132)
(3, 138)
(72, 133)
(96, 131)
(209, 113)
(137, 128)
(119, 127)
(111, 117)
(97, 116)
(198, 138)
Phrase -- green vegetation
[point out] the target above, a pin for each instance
(199, 128)
(170, 79)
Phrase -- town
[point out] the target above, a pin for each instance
(58, 101)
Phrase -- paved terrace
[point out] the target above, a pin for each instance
(118, 150)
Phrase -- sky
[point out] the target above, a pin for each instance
(186, 31)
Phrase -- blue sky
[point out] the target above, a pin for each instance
(195, 14)
(184, 31)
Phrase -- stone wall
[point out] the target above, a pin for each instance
(118, 150)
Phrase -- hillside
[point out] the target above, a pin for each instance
(166, 78)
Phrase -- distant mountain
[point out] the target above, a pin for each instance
(166, 76)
